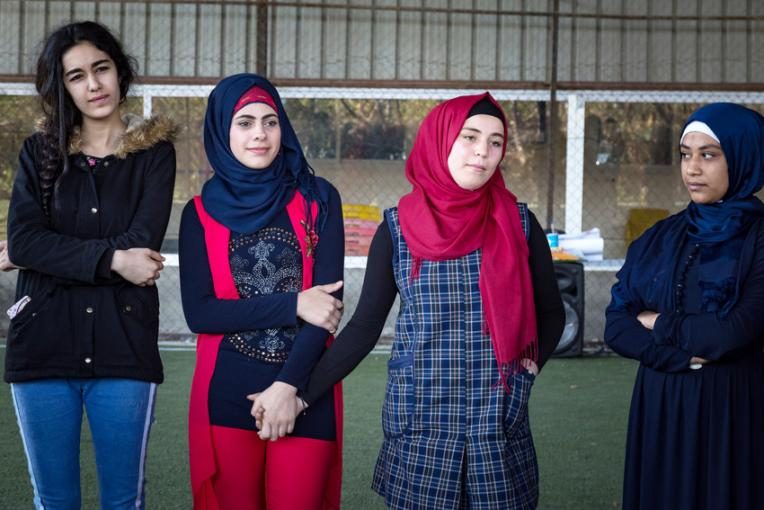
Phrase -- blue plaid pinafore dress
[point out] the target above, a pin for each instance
(453, 438)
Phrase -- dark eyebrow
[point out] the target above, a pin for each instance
(72, 71)
(701, 148)
(94, 64)
(252, 117)
(478, 131)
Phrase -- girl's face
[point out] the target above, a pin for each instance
(477, 151)
(704, 168)
(255, 135)
(90, 78)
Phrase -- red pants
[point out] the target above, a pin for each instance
(288, 474)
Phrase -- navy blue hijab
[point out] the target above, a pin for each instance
(721, 230)
(241, 198)
(741, 134)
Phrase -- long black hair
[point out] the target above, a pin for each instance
(61, 114)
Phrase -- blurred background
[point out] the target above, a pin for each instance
(596, 92)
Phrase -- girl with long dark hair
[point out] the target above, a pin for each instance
(89, 208)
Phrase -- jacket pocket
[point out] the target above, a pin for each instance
(516, 401)
(29, 314)
(34, 334)
(138, 306)
(134, 335)
(399, 396)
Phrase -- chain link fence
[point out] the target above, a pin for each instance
(592, 144)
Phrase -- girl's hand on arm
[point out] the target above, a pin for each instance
(648, 318)
(139, 266)
(317, 306)
(627, 335)
(37, 246)
(5, 261)
(204, 311)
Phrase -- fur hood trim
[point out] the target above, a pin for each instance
(141, 134)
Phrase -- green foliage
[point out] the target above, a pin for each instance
(357, 128)
(385, 129)
(192, 167)
(17, 119)
(638, 133)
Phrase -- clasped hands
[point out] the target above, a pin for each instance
(647, 318)
(275, 410)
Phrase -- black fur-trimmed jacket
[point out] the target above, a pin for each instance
(83, 320)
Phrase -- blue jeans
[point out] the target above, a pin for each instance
(120, 413)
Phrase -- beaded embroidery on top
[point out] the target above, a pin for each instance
(266, 262)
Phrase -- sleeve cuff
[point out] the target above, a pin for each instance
(663, 329)
(103, 269)
(290, 309)
(290, 379)
(665, 358)
(306, 397)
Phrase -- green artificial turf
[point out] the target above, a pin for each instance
(578, 416)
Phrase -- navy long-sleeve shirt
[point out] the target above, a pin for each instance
(264, 341)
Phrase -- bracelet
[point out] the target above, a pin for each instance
(303, 403)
